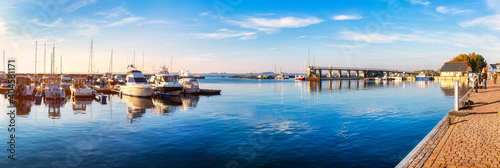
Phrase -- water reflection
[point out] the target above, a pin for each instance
(80, 105)
(54, 107)
(448, 87)
(23, 107)
(136, 107)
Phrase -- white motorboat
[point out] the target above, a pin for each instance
(24, 88)
(65, 83)
(281, 76)
(136, 85)
(79, 89)
(53, 89)
(190, 85)
(102, 85)
(165, 82)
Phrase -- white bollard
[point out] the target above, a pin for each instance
(456, 95)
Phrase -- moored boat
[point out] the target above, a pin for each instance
(53, 88)
(423, 76)
(190, 85)
(65, 83)
(24, 88)
(165, 82)
(79, 89)
(136, 85)
(299, 77)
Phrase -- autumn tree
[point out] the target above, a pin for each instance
(476, 61)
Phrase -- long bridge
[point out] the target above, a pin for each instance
(316, 72)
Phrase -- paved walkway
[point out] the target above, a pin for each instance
(472, 140)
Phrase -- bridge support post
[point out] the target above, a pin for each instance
(357, 74)
(329, 73)
(339, 73)
(348, 73)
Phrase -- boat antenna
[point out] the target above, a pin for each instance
(53, 58)
(171, 65)
(133, 59)
(36, 49)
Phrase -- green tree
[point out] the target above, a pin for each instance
(476, 61)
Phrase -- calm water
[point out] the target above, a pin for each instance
(254, 123)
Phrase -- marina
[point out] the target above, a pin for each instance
(173, 123)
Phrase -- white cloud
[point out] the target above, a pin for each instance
(3, 29)
(125, 21)
(53, 24)
(343, 46)
(346, 17)
(387, 38)
(302, 36)
(469, 41)
(205, 13)
(420, 2)
(87, 30)
(224, 33)
(154, 22)
(445, 10)
(115, 12)
(271, 25)
(370, 38)
(494, 4)
(490, 22)
(78, 5)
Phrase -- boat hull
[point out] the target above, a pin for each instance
(426, 78)
(136, 91)
(171, 90)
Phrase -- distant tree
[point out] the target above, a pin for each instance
(476, 61)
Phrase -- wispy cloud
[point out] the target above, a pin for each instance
(79, 4)
(205, 13)
(490, 22)
(115, 12)
(272, 25)
(420, 2)
(125, 21)
(494, 4)
(53, 24)
(87, 30)
(241, 35)
(343, 46)
(3, 29)
(386, 38)
(454, 11)
(346, 17)
(153, 22)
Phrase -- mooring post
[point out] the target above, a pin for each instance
(456, 95)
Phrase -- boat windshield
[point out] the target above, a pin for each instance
(169, 79)
(66, 81)
(137, 80)
(23, 81)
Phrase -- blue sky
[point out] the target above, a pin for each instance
(249, 35)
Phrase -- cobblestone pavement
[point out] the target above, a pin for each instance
(472, 140)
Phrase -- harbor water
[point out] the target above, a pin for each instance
(253, 123)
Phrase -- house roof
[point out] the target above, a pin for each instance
(455, 66)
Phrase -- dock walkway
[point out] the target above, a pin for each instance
(472, 139)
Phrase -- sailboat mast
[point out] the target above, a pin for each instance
(60, 70)
(308, 57)
(133, 59)
(4, 60)
(91, 52)
(36, 51)
(53, 58)
(44, 59)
